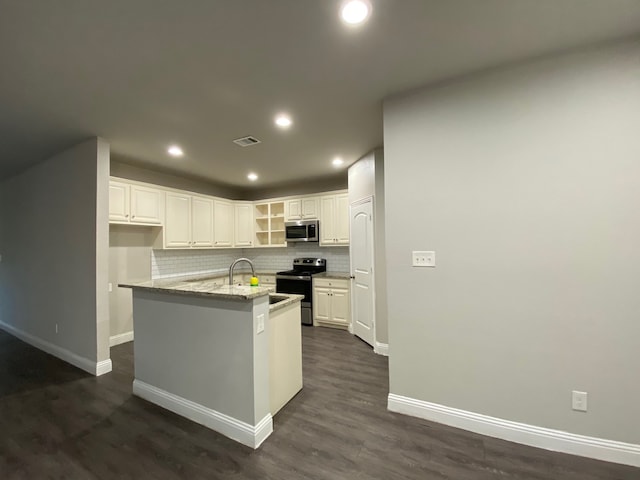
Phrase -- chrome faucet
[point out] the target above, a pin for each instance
(235, 262)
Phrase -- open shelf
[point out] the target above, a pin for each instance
(269, 224)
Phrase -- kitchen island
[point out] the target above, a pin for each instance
(216, 354)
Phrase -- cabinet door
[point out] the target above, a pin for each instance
(327, 220)
(309, 208)
(177, 229)
(322, 304)
(222, 224)
(118, 202)
(243, 225)
(146, 205)
(201, 222)
(293, 210)
(341, 219)
(340, 306)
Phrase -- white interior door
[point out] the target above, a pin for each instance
(362, 270)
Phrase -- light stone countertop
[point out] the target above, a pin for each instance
(292, 298)
(204, 287)
(336, 275)
(212, 286)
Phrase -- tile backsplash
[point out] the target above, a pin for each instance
(171, 263)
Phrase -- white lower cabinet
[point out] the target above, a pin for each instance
(331, 302)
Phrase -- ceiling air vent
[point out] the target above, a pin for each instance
(246, 141)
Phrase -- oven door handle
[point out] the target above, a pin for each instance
(293, 277)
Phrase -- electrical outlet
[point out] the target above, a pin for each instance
(110, 287)
(579, 401)
(424, 259)
(260, 326)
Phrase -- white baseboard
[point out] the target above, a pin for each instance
(91, 366)
(382, 349)
(249, 435)
(103, 367)
(592, 447)
(121, 338)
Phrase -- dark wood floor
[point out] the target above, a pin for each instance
(57, 422)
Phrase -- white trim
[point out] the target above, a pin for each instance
(103, 367)
(94, 368)
(381, 349)
(592, 447)
(121, 338)
(249, 435)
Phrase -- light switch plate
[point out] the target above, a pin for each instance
(260, 326)
(110, 287)
(579, 401)
(424, 259)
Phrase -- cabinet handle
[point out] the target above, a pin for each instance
(126, 215)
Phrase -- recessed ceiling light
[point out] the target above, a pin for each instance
(252, 176)
(355, 12)
(175, 151)
(337, 161)
(283, 121)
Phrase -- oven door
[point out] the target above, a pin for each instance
(300, 285)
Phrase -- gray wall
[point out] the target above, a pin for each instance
(337, 181)
(132, 172)
(525, 181)
(205, 350)
(120, 168)
(54, 250)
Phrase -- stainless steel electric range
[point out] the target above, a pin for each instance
(299, 281)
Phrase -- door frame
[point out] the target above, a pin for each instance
(367, 199)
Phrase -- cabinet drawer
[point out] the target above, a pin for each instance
(331, 282)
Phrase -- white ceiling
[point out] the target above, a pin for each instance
(147, 73)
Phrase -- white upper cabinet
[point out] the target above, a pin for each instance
(334, 219)
(146, 205)
(201, 222)
(189, 221)
(223, 214)
(177, 229)
(243, 234)
(305, 208)
(118, 202)
(130, 203)
(342, 219)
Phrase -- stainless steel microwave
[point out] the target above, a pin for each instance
(302, 231)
